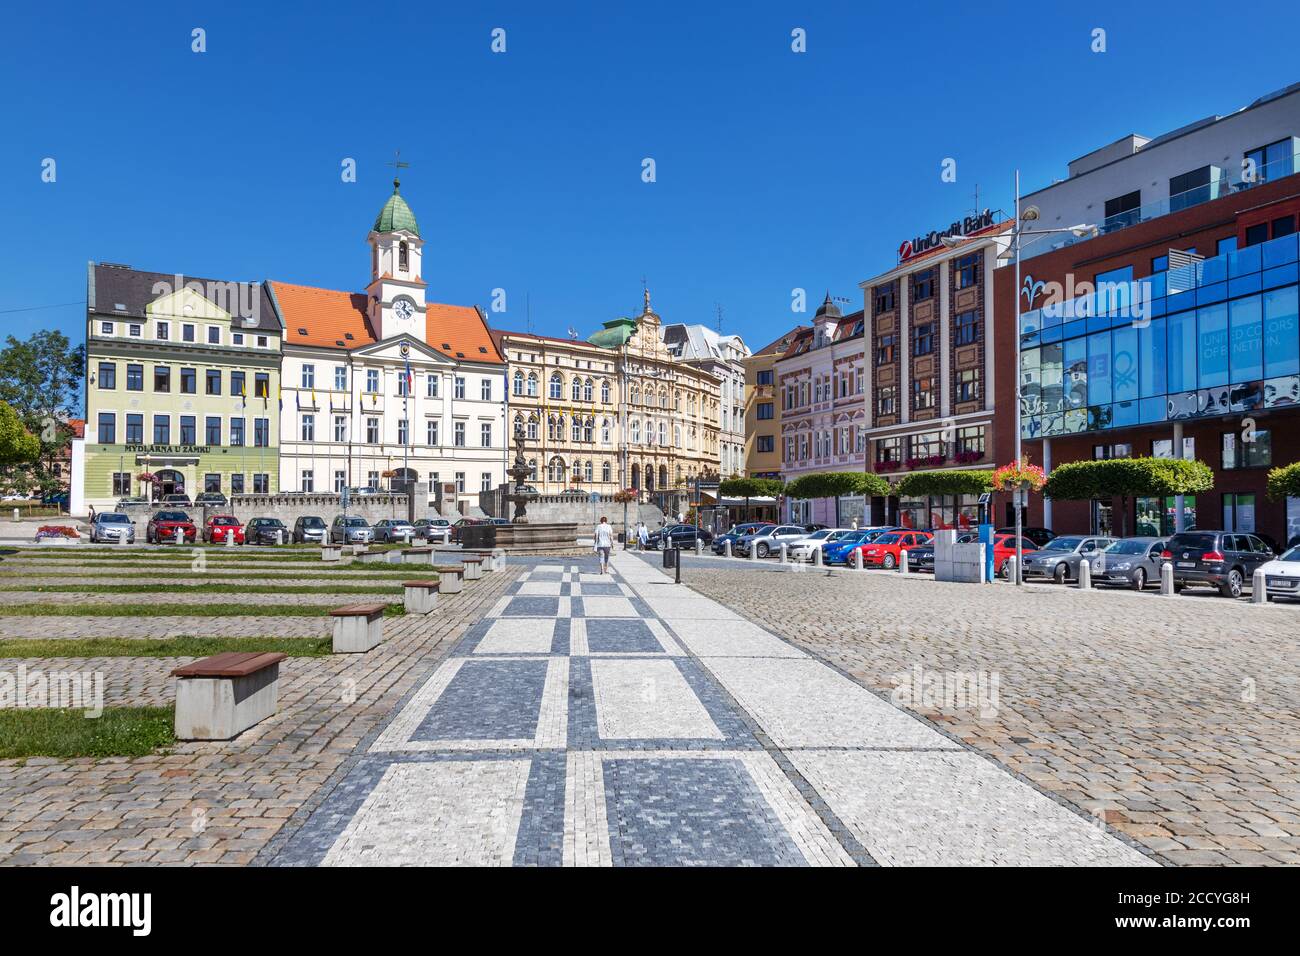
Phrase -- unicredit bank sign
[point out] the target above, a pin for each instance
(962, 227)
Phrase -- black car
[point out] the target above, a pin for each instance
(1039, 536)
(213, 499)
(921, 557)
(678, 536)
(1220, 559)
(265, 531)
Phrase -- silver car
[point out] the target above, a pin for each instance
(393, 530)
(801, 549)
(1131, 563)
(767, 540)
(351, 529)
(112, 526)
(1059, 558)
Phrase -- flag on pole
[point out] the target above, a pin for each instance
(409, 380)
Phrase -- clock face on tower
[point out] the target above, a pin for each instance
(404, 309)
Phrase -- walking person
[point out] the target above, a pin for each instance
(642, 536)
(604, 538)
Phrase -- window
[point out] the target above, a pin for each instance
(403, 432)
(968, 270)
(107, 375)
(556, 386)
(187, 429)
(162, 379)
(1164, 448)
(309, 376)
(1197, 186)
(458, 434)
(968, 385)
(587, 390)
(402, 255)
(236, 484)
(212, 381)
(1123, 210)
(1239, 514)
(885, 350)
(214, 335)
(923, 285)
(261, 432)
(237, 338)
(134, 429)
(372, 479)
(766, 411)
(485, 390)
(605, 472)
(308, 480)
(1225, 245)
(532, 384)
(766, 443)
(162, 430)
(519, 383)
(187, 332)
(431, 432)
(923, 393)
(262, 341)
(212, 430)
(458, 388)
(460, 482)
(237, 433)
(604, 392)
(189, 381)
(604, 431)
(134, 330)
(261, 484)
(107, 428)
(340, 378)
(431, 385)
(968, 328)
(485, 435)
(575, 390)
(403, 384)
(884, 299)
(308, 427)
(340, 428)
(925, 445)
(340, 481)
(889, 450)
(1257, 234)
(766, 377)
(1272, 161)
(970, 441)
(236, 383)
(372, 380)
(164, 331)
(106, 328)
(135, 378)
(924, 343)
(262, 384)
(121, 484)
(1238, 452)
(372, 431)
(887, 400)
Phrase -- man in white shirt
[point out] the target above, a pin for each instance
(604, 537)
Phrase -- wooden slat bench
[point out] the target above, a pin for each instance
(418, 556)
(220, 697)
(420, 597)
(357, 627)
(451, 578)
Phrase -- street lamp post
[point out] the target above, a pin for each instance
(1018, 232)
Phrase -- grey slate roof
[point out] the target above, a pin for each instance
(122, 291)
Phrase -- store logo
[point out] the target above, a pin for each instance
(1031, 290)
(931, 240)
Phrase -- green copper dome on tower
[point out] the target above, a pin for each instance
(396, 214)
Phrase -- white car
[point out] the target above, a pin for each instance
(1282, 574)
(801, 549)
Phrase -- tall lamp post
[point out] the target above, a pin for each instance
(1018, 232)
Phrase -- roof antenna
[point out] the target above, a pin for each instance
(718, 306)
(528, 312)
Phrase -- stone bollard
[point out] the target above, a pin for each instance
(446, 536)
(857, 559)
(817, 557)
(785, 552)
(180, 536)
(1167, 580)
(279, 537)
(15, 514)
(1085, 575)
(699, 547)
(1258, 587)
(121, 538)
(753, 550)
(1010, 566)
(726, 549)
(230, 538)
(902, 561)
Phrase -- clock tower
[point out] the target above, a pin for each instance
(395, 296)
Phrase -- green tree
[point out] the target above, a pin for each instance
(750, 488)
(950, 481)
(833, 484)
(40, 378)
(18, 446)
(1125, 477)
(1284, 482)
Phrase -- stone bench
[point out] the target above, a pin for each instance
(420, 597)
(450, 578)
(418, 556)
(220, 697)
(494, 560)
(357, 627)
(473, 565)
(330, 552)
(371, 557)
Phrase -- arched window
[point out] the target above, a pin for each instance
(663, 476)
(550, 427)
(604, 392)
(636, 477)
(532, 469)
(555, 470)
(604, 472)
(586, 390)
(557, 386)
(604, 431)
(532, 384)
(519, 383)
(577, 471)
(587, 429)
(635, 398)
(663, 435)
(576, 390)
(586, 470)
(403, 255)
(636, 432)
(649, 478)
(677, 436)
(677, 401)
(663, 398)
(532, 428)
(577, 429)
(690, 439)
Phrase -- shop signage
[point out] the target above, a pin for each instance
(169, 449)
(962, 227)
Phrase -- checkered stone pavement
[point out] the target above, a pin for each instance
(624, 720)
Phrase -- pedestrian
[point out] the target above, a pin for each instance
(92, 514)
(604, 538)
(642, 536)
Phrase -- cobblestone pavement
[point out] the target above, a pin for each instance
(624, 720)
(219, 802)
(1175, 719)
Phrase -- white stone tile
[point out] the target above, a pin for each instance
(544, 588)
(647, 700)
(607, 605)
(737, 638)
(440, 813)
(807, 704)
(954, 808)
(518, 635)
(692, 608)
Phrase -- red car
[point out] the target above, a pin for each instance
(884, 551)
(220, 527)
(163, 526)
(463, 523)
(1004, 546)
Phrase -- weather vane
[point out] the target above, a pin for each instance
(398, 166)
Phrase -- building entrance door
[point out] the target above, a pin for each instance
(170, 482)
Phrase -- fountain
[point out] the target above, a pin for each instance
(519, 471)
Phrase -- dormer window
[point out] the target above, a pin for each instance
(402, 256)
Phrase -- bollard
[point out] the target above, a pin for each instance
(121, 538)
(726, 549)
(230, 537)
(817, 557)
(446, 536)
(1167, 580)
(279, 537)
(1009, 568)
(180, 536)
(785, 552)
(1258, 587)
(15, 514)
(857, 559)
(753, 550)
(699, 547)
(1085, 575)
(902, 561)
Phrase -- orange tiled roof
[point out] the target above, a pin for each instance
(330, 317)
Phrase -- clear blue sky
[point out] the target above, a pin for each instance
(775, 170)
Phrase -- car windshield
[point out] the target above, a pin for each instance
(313, 523)
(224, 520)
(821, 535)
(114, 518)
(1135, 546)
(1062, 544)
(355, 522)
(890, 538)
(172, 516)
(272, 523)
(1292, 555)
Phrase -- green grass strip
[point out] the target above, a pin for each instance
(185, 646)
(205, 589)
(217, 576)
(178, 610)
(117, 732)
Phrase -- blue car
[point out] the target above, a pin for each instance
(837, 552)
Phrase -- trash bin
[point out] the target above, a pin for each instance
(670, 557)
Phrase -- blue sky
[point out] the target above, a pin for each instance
(775, 170)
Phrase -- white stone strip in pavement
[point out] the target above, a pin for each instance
(518, 635)
(734, 639)
(647, 700)
(437, 813)
(586, 825)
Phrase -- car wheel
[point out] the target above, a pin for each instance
(1139, 579)
(1233, 586)
(890, 561)
(1061, 573)
(762, 550)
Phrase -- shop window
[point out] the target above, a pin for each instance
(1253, 450)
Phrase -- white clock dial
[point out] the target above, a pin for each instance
(404, 309)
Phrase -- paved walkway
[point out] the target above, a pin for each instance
(625, 720)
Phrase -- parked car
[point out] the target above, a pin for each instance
(391, 530)
(498, 521)
(460, 523)
(57, 499)
(1039, 536)
(1131, 563)
(111, 527)
(265, 531)
(351, 529)
(677, 536)
(767, 539)
(886, 550)
(220, 527)
(801, 549)
(1220, 559)
(810, 528)
(1059, 558)
(431, 528)
(1282, 574)
(177, 501)
(162, 528)
(840, 550)
(132, 500)
(309, 529)
(211, 499)
(735, 533)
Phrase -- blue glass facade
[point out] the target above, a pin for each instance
(1217, 337)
